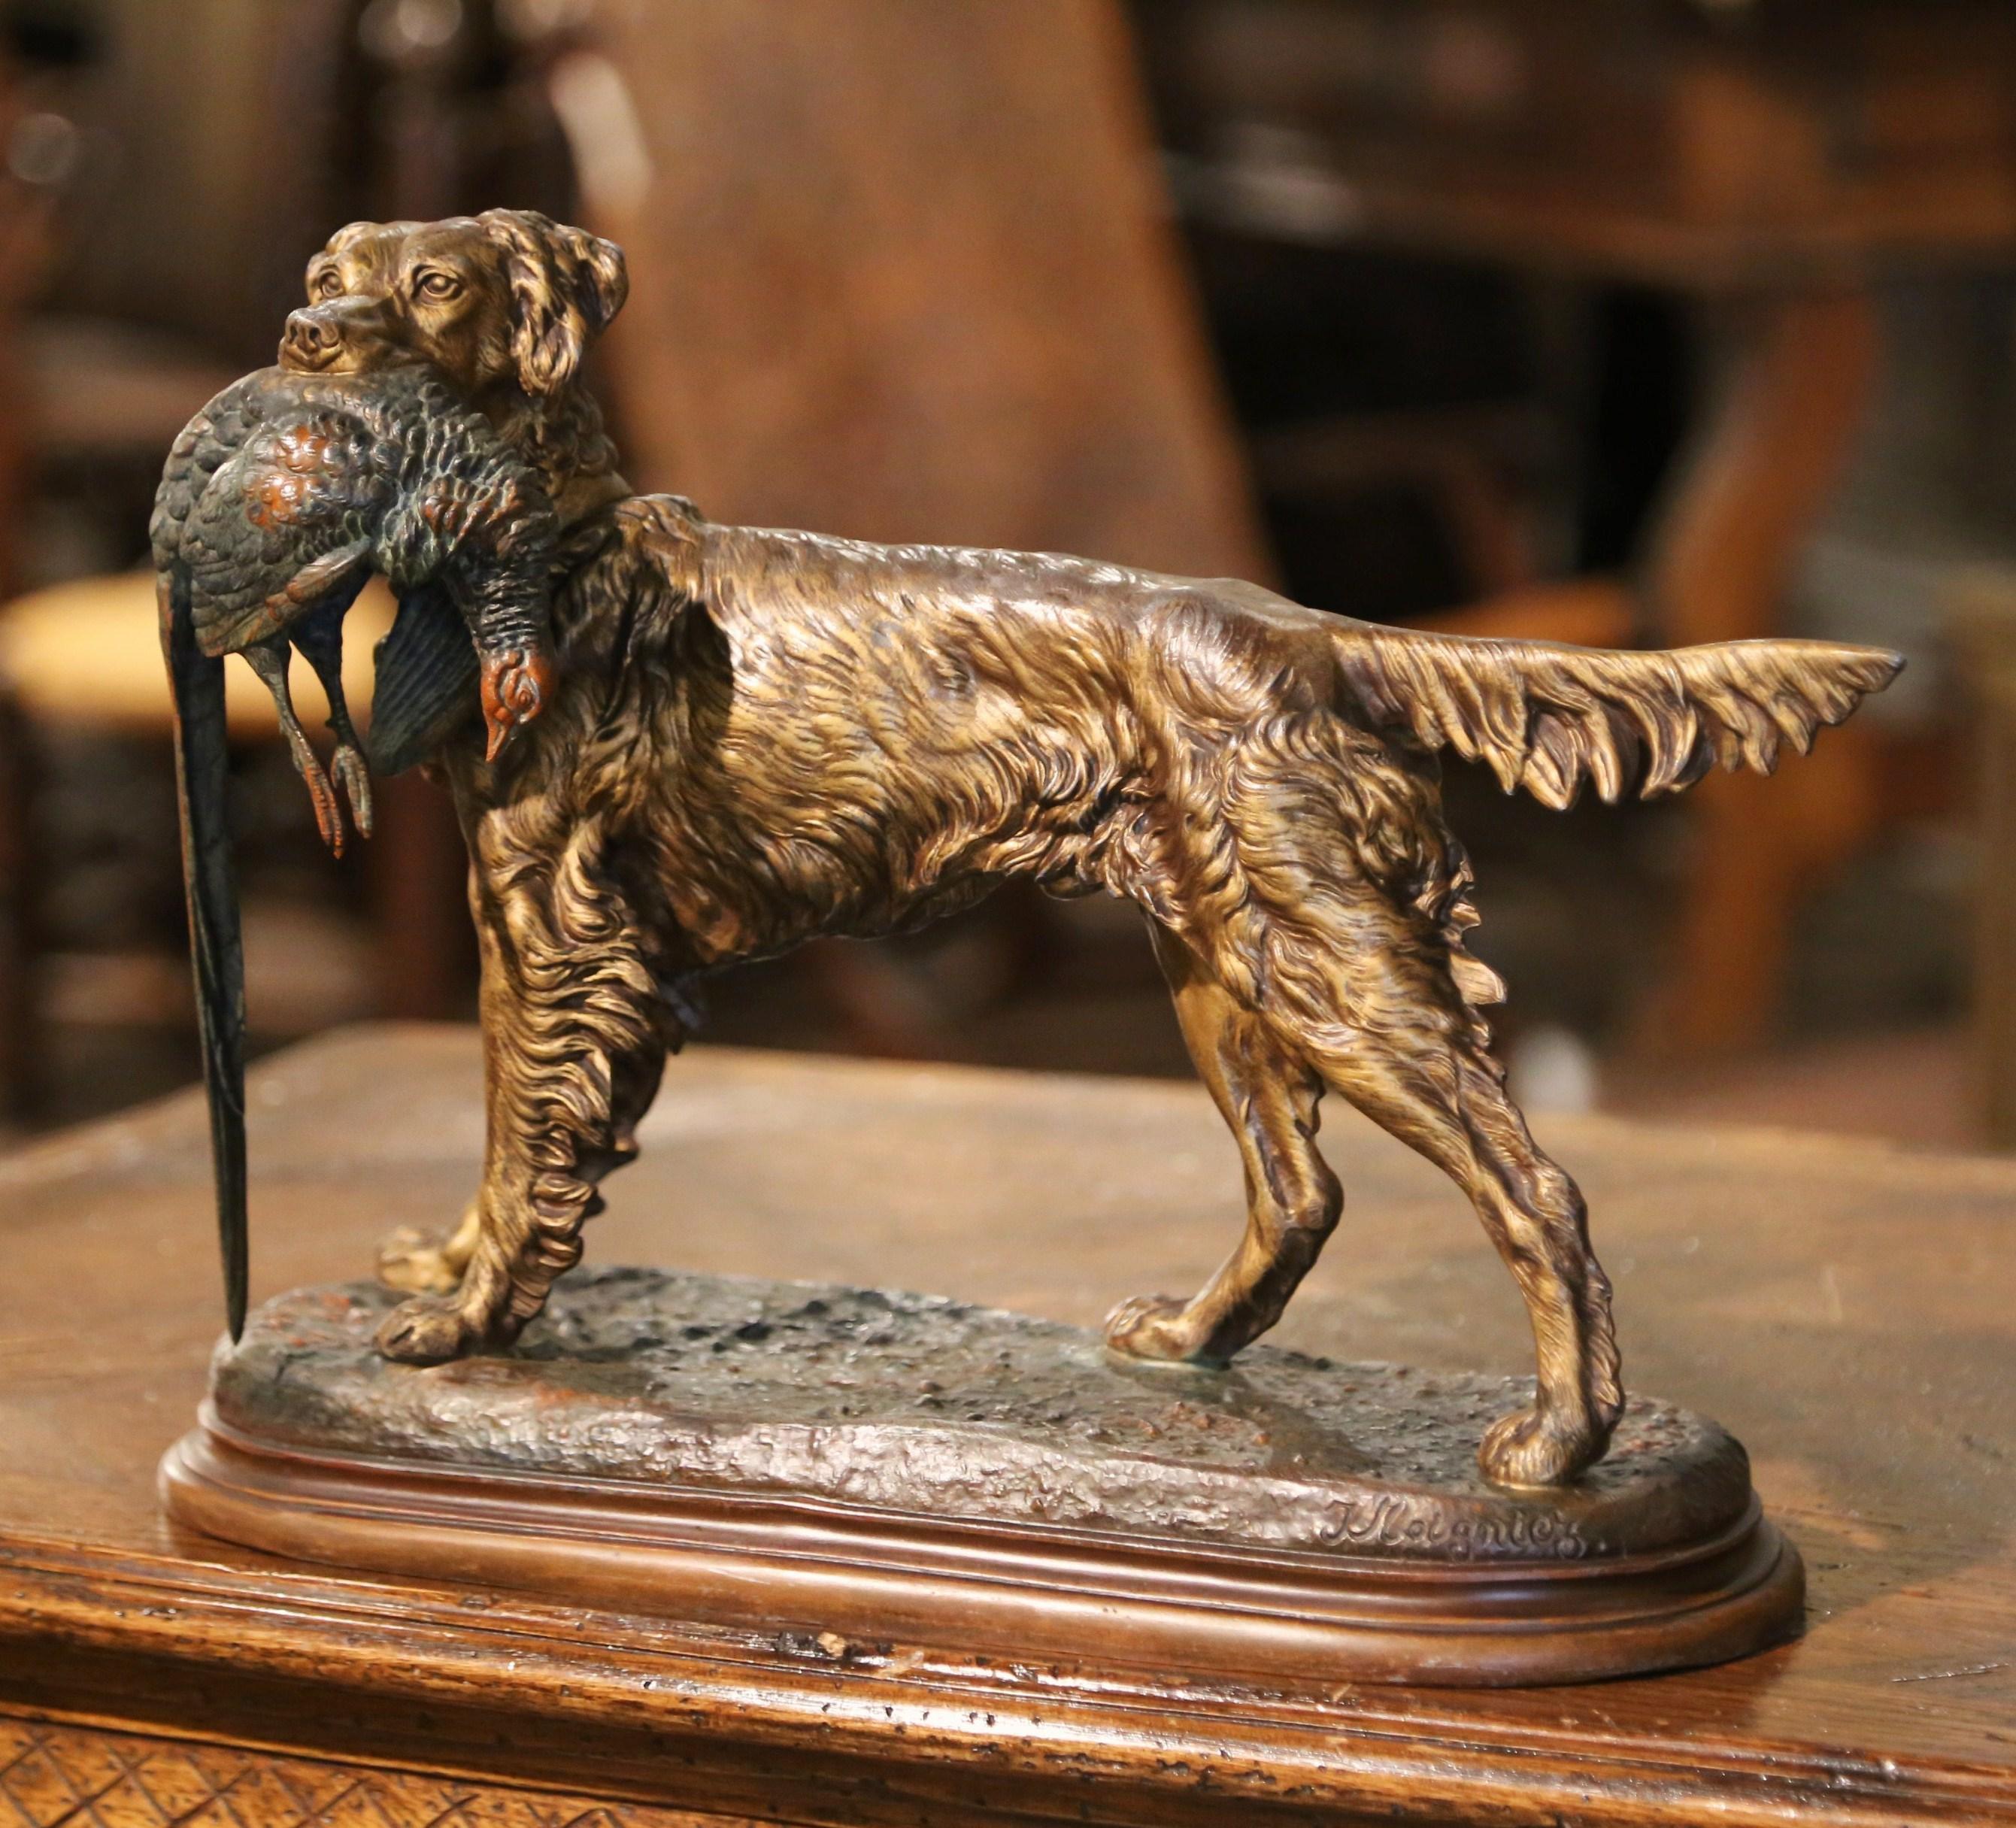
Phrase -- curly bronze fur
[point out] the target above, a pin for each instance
(758, 737)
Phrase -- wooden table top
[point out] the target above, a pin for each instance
(1846, 1309)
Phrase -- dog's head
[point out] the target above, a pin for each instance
(505, 302)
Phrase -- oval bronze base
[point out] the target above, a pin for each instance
(1291, 1519)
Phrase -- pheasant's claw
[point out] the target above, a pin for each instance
(348, 763)
(322, 795)
(269, 659)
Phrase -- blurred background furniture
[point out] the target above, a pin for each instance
(24, 223)
(1765, 162)
(1983, 608)
(165, 294)
(955, 303)
(1553, 319)
(81, 663)
(948, 311)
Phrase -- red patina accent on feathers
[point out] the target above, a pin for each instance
(303, 455)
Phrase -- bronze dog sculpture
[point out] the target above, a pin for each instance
(751, 738)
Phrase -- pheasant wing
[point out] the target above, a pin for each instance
(426, 681)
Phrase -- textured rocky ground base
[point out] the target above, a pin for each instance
(912, 1404)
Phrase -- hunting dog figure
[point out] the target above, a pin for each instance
(747, 739)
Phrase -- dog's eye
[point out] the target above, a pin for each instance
(326, 283)
(437, 286)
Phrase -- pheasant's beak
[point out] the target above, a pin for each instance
(516, 686)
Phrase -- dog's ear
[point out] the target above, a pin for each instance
(566, 285)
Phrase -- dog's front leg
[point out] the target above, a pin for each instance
(574, 1038)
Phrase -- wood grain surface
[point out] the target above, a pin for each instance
(1844, 1309)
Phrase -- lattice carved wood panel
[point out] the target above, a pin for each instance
(70, 1777)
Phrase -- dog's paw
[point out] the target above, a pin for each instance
(1157, 1327)
(429, 1329)
(416, 1264)
(1531, 1447)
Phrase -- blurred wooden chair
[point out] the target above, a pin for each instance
(903, 271)
(1982, 613)
(1763, 169)
(306, 124)
(88, 653)
(85, 656)
(23, 234)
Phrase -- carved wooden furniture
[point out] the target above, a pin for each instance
(148, 1676)
(1765, 163)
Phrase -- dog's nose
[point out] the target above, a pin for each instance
(310, 340)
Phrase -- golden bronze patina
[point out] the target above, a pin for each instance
(726, 741)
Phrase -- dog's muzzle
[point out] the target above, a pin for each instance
(310, 342)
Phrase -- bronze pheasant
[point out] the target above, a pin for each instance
(277, 503)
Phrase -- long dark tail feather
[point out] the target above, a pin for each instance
(201, 773)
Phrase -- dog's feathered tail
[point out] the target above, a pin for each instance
(1545, 717)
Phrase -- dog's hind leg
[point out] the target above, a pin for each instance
(1423, 1074)
(1268, 1097)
